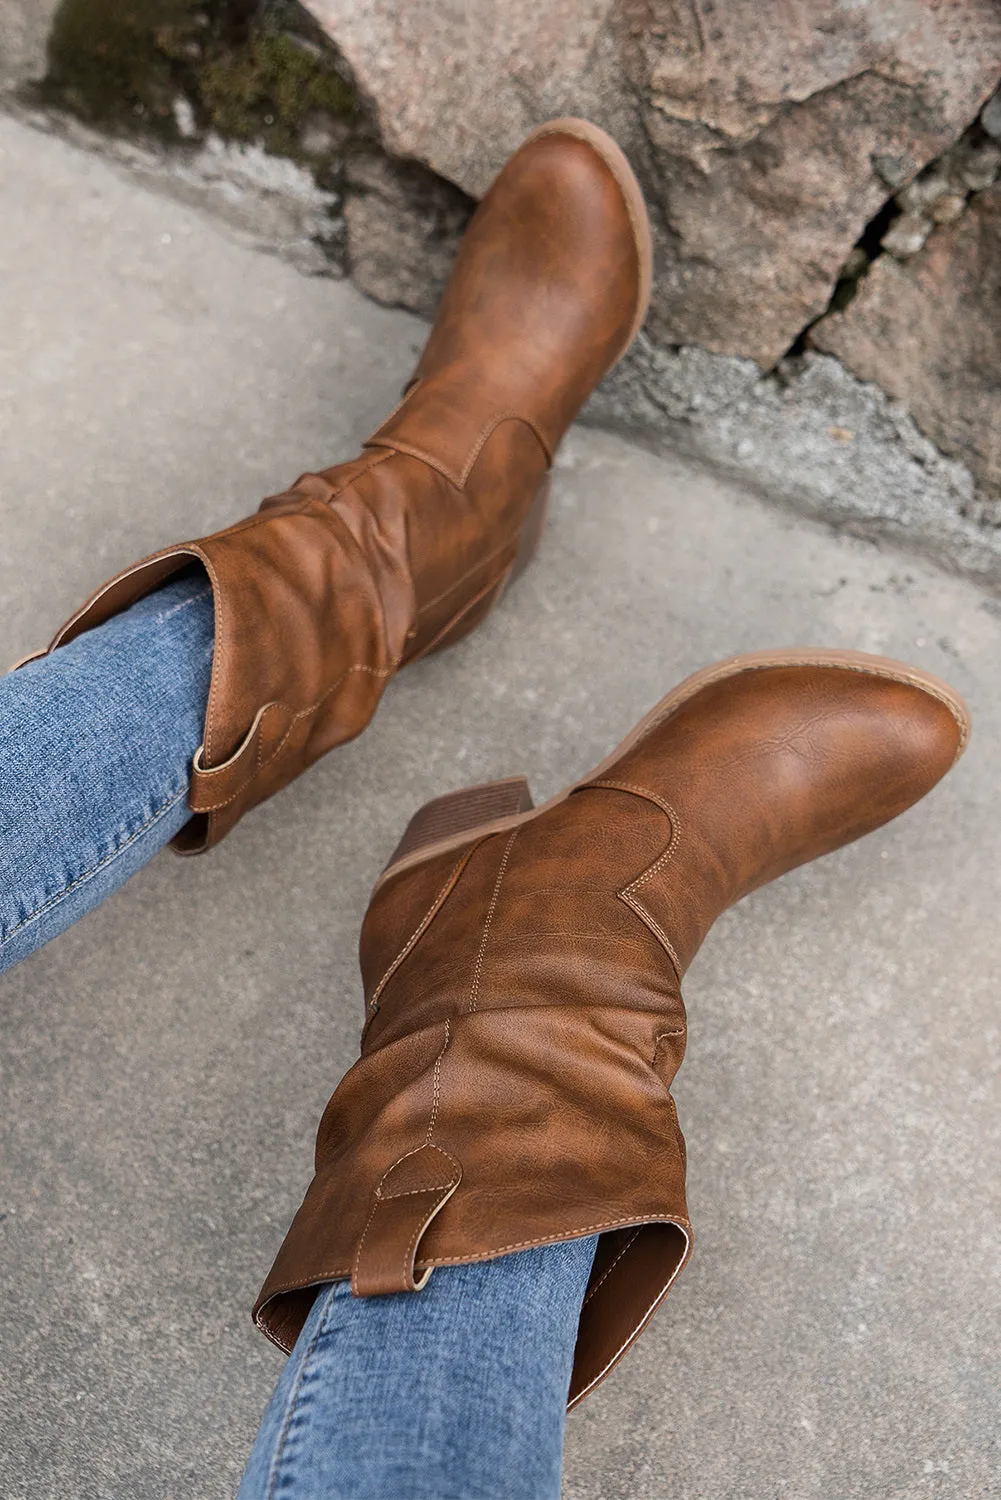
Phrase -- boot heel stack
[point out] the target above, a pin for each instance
(463, 812)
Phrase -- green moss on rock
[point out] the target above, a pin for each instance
(117, 61)
(248, 71)
(267, 88)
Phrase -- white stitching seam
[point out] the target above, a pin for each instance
(609, 1268)
(275, 1472)
(419, 930)
(627, 893)
(657, 1216)
(478, 967)
(437, 1084)
(634, 1335)
(378, 1198)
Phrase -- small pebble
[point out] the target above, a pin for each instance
(917, 195)
(906, 235)
(184, 118)
(990, 116)
(979, 168)
(947, 208)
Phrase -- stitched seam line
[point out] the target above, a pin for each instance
(435, 1187)
(405, 1157)
(437, 1084)
(411, 450)
(108, 859)
(274, 1474)
(638, 1329)
(672, 817)
(655, 1216)
(626, 894)
(478, 969)
(482, 562)
(221, 631)
(650, 921)
(410, 1252)
(384, 672)
(408, 1256)
(418, 931)
(408, 391)
(357, 1260)
(487, 433)
(346, 483)
(456, 619)
(302, 713)
(610, 1267)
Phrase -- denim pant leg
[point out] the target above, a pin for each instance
(96, 742)
(457, 1392)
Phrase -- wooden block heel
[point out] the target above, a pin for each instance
(463, 812)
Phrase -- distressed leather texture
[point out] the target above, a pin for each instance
(524, 1012)
(332, 586)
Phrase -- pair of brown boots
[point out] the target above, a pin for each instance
(522, 966)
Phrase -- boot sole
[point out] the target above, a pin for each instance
(617, 163)
(476, 812)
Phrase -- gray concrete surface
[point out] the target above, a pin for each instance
(163, 1064)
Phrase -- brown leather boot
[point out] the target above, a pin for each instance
(356, 571)
(522, 975)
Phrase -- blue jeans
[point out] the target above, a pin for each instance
(95, 745)
(455, 1391)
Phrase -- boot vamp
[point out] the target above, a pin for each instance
(539, 303)
(775, 766)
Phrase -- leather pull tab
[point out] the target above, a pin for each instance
(213, 787)
(406, 1200)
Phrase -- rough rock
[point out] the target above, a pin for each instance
(764, 150)
(813, 436)
(24, 32)
(403, 230)
(928, 332)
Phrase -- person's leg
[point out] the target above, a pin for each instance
(96, 742)
(457, 1392)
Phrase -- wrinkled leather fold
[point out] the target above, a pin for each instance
(320, 596)
(523, 985)
(478, 1127)
(312, 615)
(359, 569)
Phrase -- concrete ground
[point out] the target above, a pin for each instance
(164, 1063)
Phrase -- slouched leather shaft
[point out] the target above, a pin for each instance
(523, 988)
(333, 585)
